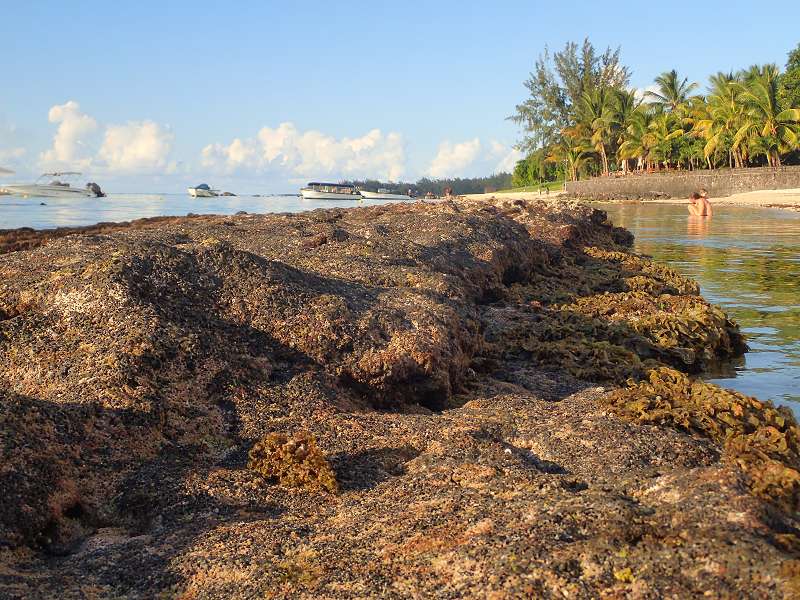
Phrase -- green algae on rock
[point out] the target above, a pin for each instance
(762, 440)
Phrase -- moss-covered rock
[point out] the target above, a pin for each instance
(762, 440)
(293, 462)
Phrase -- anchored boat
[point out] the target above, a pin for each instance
(55, 188)
(383, 194)
(330, 191)
(202, 191)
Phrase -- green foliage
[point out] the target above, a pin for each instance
(581, 116)
(459, 185)
(789, 88)
(535, 169)
(556, 86)
(673, 93)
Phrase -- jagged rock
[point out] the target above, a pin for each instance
(444, 358)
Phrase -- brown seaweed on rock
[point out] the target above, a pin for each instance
(440, 354)
(293, 462)
(762, 440)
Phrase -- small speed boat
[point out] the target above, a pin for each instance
(383, 194)
(55, 188)
(330, 191)
(202, 191)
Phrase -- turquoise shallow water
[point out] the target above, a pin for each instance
(747, 260)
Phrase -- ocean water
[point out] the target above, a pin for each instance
(47, 213)
(747, 260)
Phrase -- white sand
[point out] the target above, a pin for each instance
(789, 198)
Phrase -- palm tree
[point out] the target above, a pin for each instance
(724, 116)
(769, 129)
(625, 104)
(662, 131)
(637, 143)
(596, 115)
(570, 149)
(672, 94)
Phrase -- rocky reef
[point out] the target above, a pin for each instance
(417, 400)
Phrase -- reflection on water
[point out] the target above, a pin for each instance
(70, 212)
(747, 261)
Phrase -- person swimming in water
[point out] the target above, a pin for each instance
(699, 206)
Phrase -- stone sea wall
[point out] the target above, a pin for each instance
(720, 182)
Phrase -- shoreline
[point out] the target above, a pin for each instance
(785, 199)
(788, 199)
(25, 236)
(395, 397)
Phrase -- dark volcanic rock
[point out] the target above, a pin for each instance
(445, 358)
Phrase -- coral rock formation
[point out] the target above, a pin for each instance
(456, 368)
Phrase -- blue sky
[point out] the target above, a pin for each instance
(258, 96)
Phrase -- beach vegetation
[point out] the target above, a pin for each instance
(582, 115)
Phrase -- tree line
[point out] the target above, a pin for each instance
(459, 185)
(581, 118)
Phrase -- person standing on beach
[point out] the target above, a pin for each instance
(699, 206)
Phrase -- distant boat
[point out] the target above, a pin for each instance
(383, 194)
(55, 188)
(329, 191)
(202, 191)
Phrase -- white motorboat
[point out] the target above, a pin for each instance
(55, 188)
(383, 194)
(202, 191)
(329, 191)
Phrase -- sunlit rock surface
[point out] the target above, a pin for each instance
(452, 366)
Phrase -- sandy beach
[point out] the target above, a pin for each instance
(788, 198)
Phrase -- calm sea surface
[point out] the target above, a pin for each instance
(70, 212)
(746, 260)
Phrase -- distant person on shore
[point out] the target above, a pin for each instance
(699, 206)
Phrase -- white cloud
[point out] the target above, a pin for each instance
(496, 149)
(509, 161)
(11, 150)
(451, 158)
(641, 93)
(310, 153)
(506, 157)
(81, 143)
(74, 133)
(9, 155)
(135, 147)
